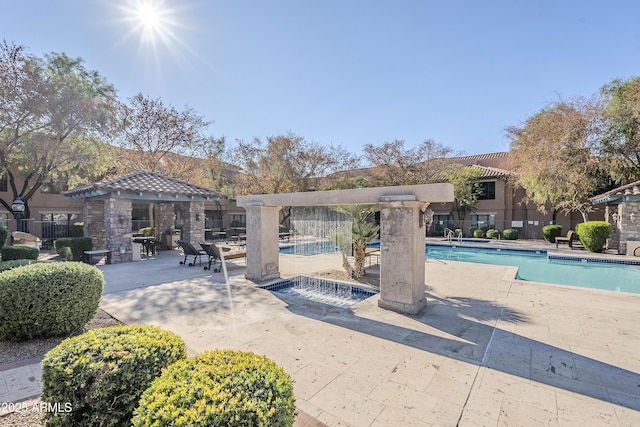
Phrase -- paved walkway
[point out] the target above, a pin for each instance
(487, 350)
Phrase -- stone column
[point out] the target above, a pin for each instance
(117, 221)
(94, 223)
(193, 231)
(164, 221)
(262, 243)
(402, 260)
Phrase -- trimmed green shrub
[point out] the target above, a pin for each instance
(65, 253)
(493, 234)
(478, 233)
(510, 234)
(103, 372)
(48, 299)
(219, 388)
(77, 229)
(594, 234)
(550, 232)
(148, 231)
(458, 231)
(15, 263)
(18, 252)
(4, 234)
(472, 230)
(77, 244)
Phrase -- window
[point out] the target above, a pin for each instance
(487, 190)
(484, 221)
(237, 220)
(4, 219)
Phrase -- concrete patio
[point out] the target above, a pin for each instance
(486, 351)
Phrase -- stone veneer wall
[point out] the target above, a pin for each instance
(94, 224)
(118, 229)
(625, 229)
(193, 231)
(164, 220)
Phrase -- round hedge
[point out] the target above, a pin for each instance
(478, 233)
(550, 232)
(510, 234)
(493, 234)
(594, 234)
(48, 299)
(219, 388)
(103, 372)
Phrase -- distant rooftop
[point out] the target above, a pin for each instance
(629, 190)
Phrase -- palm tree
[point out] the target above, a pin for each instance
(363, 231)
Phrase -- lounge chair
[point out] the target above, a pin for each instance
(189, 250)
(218, 255)
(568, 239)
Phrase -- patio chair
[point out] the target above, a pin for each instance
(189, 250)
(568, 239)
(219, 255)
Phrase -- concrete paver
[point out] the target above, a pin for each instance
(485, 351)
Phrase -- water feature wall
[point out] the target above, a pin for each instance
(321, 225)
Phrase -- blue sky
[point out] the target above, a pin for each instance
(347, 72)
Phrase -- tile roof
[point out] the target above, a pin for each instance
(489, 172)
(485, 156)
(144, 181)
(632, 189)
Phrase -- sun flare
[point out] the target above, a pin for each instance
(151, 19)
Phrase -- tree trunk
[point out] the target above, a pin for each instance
(359, 263)
(585, 216)
(347, 266)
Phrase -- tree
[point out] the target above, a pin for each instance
(466, 189)
(619, 142)
(553, 157)
(394, 165)
(363, 231)
(286, 163)
(52, 112)
(161, 139)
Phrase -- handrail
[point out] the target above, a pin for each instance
(449, 234)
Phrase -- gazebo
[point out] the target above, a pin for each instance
(622, 210)
(107, 209)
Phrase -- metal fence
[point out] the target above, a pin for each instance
(528, 230)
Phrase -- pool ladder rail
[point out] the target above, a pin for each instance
(449, 234)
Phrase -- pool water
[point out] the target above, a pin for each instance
(337, 294)
(536, 266)
(308, 249)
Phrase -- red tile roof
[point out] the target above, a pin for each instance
(632, 189)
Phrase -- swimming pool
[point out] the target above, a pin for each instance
(537, 266)
(310, 248)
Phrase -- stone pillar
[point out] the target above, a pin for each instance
(94, 224)
(164, 220)
(262, 243)
(117, 221)
(402, 260)
(193, 231)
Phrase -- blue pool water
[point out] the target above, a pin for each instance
(536, 266)
(308, 249)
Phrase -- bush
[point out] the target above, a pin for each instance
(77, 244)
(4, 234)
(594, 234)
(472, 230)
(18, 252)
(48, 299)
(77, 229)
(510, 234)
(65, 253)
(219, 388)
(493, 234)
(15, 263)
(103, 372)
(478, 233)
(147, 232)
(550, 232)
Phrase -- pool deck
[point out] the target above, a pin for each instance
(486, 351)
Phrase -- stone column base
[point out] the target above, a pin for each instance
(262, 279)
(401, 307)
